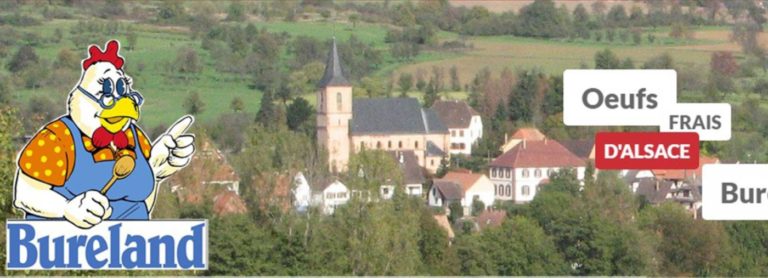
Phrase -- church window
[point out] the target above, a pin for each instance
(389, 144)
(338, 101)
(526, 190)
(322, 98)
(378, 145)
(400, 144)
(416, 145)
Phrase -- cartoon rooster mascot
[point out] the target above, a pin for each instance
(94, 163)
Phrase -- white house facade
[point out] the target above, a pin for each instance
(464, 187)
(464, 125)
(333, 196)
(520, 173)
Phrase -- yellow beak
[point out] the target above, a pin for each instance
(115, 118)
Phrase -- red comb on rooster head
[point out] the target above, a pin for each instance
(108, 55)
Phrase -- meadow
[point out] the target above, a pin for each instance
(157, 46)
(555, 55)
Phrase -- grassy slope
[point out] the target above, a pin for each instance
(157, 46)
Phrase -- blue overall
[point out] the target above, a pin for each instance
(127, 195)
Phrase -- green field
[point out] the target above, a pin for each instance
(554, 56)
(157, 46)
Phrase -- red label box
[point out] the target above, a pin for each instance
(647, 150)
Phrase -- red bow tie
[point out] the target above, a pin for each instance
(102, 138)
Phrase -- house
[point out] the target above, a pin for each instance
(465, 185)
(519, 173)
(411, 171)
(329, 196)
(346, 125)
(228, 202)
(583, 148)
(680, 186)
(527, 134)
(443, 193)
(463, 123)
(489, 218)
(325, 193)
(208, 174)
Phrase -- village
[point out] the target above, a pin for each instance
(419, 140)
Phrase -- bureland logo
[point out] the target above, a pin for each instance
(642, 98)
(87, 183)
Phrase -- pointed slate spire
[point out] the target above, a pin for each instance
(334, 74)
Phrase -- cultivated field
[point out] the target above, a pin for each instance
(554, 56)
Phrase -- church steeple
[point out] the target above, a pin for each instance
(334, 74)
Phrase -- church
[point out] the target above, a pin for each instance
(346, 125)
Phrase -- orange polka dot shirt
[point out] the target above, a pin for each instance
(49, 156)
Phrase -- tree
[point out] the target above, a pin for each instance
(112, 8)
(593, 228)
(66, 59)
(194, 104)
(405, 82)
(455, 83)
(430, 94)
(171, 11)
(723, 63)
(187, 61)
(542, 19)
(520, 247)
(477, 207)
(299, 111)
(523, 101)
(617, 16)
(267, 114)
(456, 212)
(236, 11)
(373, 86)
(421, 83)
(662, 61)
(681, 30)
(25, 57)
(581, 21)
(237, 104)
(687, 246)
(761, 88)
(354, 18)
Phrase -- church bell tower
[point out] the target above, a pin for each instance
(334, 111)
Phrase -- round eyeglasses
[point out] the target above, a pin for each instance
(111, 92)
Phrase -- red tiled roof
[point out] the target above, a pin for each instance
(490, 218)
(529, 133)
(544, 153)
(464, 178)
(228, 202)
(678, 174)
